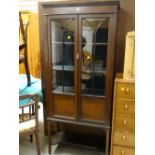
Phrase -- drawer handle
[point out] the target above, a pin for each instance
(122, 89)
(123, 138)
(122, 152)
(125, 122)
(127, 90)
(126, 106)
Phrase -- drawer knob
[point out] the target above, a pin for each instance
(122, 152)
(127, 90)
(125, 122)
(126, 106)
(123, 138)
(122, 89)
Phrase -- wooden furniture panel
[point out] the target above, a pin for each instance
(82, 10)
(123, 122)
(125, 106)
(63, 106)
(124, 138)
(93, 109)
(33, 48)
(123, 119)
(122, 151)
(126, 23)
(125, 90)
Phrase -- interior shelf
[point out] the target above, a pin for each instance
(63, 67)
(66, 43)
(89, 91)
(94, 43)
(96, 70)
(65, 89)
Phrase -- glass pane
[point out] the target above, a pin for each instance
(63, 81)
(92, 84)
(62, 34)
(94, 55)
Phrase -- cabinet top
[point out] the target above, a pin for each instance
(119, 78)
(79, 2)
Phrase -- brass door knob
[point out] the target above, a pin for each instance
(122, 89)
(127, 90)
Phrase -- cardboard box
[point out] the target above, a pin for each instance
(129, 61)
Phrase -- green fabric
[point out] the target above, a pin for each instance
(24, 101)
(23, 81)
(35, 88)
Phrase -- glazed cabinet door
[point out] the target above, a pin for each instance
(96, 67)
(62, 41)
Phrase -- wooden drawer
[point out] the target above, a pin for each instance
(117, 150)
(125, 106)
(124, 138)
(124, 123)
(126, 90)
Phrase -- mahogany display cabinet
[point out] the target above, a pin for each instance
(77, 42)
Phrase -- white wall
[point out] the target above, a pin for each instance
(31, 5)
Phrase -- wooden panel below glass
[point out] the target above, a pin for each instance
(63, 105)
(93, 109)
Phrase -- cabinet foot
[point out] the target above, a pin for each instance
(49, 137)
(107, 142)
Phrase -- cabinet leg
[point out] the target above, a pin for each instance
(49, 137)
(31, 138)
(107, 142)
(37, 143)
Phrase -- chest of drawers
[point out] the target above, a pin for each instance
(123, 117)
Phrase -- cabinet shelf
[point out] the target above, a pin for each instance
(63, 68)
(62, 90)
(89, 91)
(61, 43)
(72, 43)
(93, 43)
(94, 71)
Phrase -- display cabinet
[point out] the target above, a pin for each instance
(77, 59)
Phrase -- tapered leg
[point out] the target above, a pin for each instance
(49, 137)
(31, 138)
(37, 143)
(58, 127)
(107, 142)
